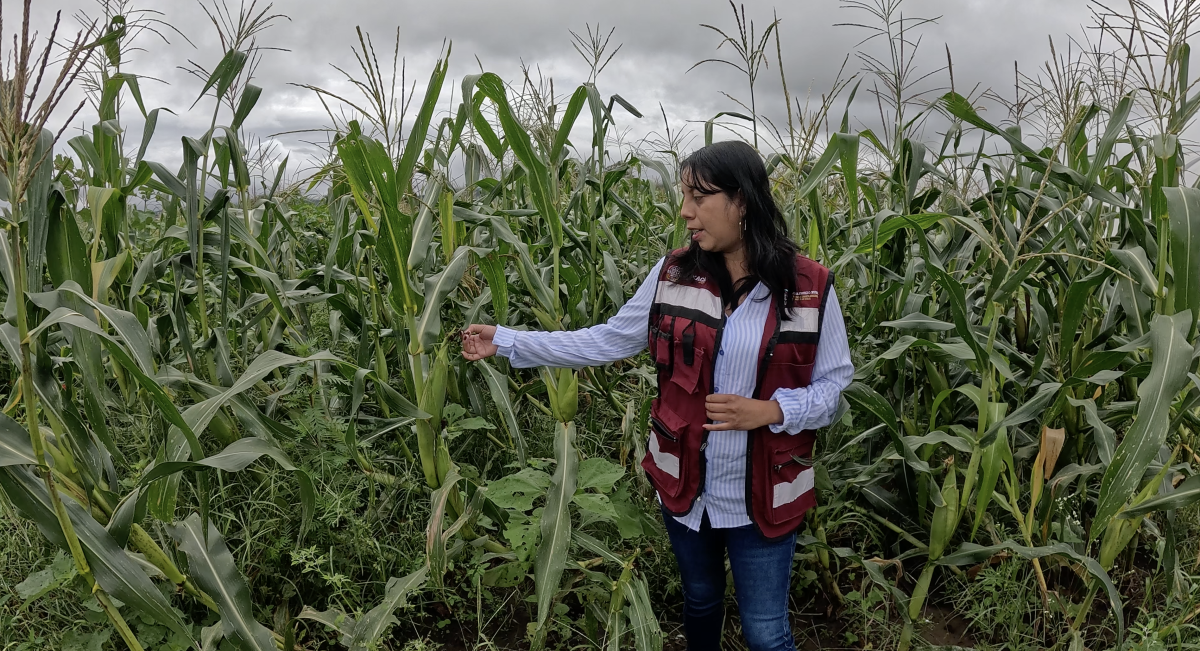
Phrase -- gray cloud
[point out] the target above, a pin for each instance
(661, 40)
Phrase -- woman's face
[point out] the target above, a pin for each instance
(712, 217)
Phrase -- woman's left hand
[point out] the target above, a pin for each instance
(737, 413)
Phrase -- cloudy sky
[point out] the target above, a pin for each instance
(661, 40)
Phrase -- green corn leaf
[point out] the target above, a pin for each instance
(1135, 304)
(333, 618)
(1112, 132)
(368, 630)
(945, 516)
(235, 458)
(169, 180)
(1183, 206)
(246, 104)
(894, 223)
(905, 342)
(88, 155)
(213, 568)
(148, 132)
(237, 157)
(223, 76)
(535, 167)
(556, 521)
(574, 106)
(437, 288)
(594, 546)
(38, 205)
(387, 394)
(15, 446)
(612, 281)
(200, 414)
(525, 267)
(991, 463)
(1031, 409)
(824, 164)
(123, 323)
(1074, 307)
(1135, 261)
(68, 258)
(423, 226)
(1105, 437)
(918, 321)
(492, 267)
(485, 131)
(112, 568)
(90, 460)
(104, 272)
(420, 127)
(371, 175)
(438, 550)
(498, 386)
(867, 398)
(432, 400)
(956, 293)
(237, 228)
(647, 635)
(1098, 361)
(118, 352)
(958, 307)
(850, 172)
(1168, 373)
(864, 397)
(1183, 496)
(708, 129)
(129, 511)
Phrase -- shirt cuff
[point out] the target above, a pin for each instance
(504, 340)
(792, 404)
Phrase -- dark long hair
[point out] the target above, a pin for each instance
(735, 169)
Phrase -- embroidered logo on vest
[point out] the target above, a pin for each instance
(806, 295)
(700, 279)
(673, 274)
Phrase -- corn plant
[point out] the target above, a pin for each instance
(1023, 312)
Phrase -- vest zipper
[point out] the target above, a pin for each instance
(795, 459)
(662, 429)
(704, 433)
(762, 372)
(671, 350)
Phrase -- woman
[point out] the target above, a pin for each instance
(752, 355)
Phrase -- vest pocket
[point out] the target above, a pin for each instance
(785, 375)
(660, 344)
(664, 461)
(791, 479)
(687, 376)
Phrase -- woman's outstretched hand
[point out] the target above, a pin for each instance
(732, 412)
(477, 341)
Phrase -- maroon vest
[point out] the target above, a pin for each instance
(686, 322)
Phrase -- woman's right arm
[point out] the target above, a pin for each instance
(624, 335)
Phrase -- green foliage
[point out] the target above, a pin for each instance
(1022, 316)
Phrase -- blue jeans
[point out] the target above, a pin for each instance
(761, 575)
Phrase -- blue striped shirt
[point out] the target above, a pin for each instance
(625, 335)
